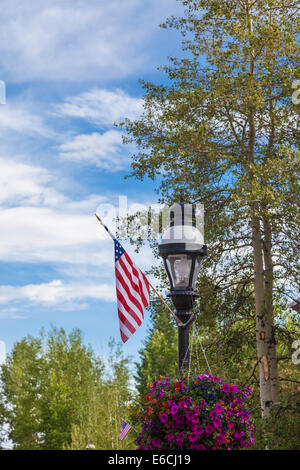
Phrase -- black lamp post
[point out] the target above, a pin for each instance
(183, 252)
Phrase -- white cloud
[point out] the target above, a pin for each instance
(19, 118)
(39, 223)
(78, 39)
(57, 293)
(23, 183)
(102, 107)
(102, 150)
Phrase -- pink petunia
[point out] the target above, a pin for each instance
(163, 417)
(209, 429)
(180, 437)
(198, 429)
(192, 437)
(226, 388)
(155, 442)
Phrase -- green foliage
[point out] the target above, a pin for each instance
(159, 355)
(56, 394)
(108, 406)
(281, 431)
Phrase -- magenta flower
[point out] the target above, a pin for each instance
(173, 410)
(201, 447)
(189, 415)
(180, 437)
(193, 437)
(170, 437)
(217, 423)
(198, 429)
(209, 429)
(155, 442)
(163, 417)
(226, 388)
(195, 419)
(245, 415)
(220, 439)
(182, 404)
(219, 408)
(197, 447)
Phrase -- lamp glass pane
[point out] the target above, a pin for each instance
(198, 264)
(179, 267)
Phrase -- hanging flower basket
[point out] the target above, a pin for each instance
(205, 414)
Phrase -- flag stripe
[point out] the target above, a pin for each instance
(130, 328)
(130, 306)
(133, 293)
(137, 275)
(125, 428)
(135, 322)
(131, 277)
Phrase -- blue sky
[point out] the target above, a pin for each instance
(71, 69)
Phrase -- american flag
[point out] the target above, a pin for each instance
(133, 292)
(125, 428)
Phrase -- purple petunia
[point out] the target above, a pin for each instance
(193, 437)
(180, 437)
(219, 408)
(226, 388)
(209, 429)
(220, 439)
(163, 417)
(182, 404)
(217, 423)
(155, 442)
(173, 410)
(189, 415)
(238, 434)
(198, 429)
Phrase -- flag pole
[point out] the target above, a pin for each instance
(179, 323)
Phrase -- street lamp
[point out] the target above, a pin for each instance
(183, 251)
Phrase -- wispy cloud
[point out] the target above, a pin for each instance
(19, 118)
(76, 39)
(56, 293)
(103, 150)
(101, 107)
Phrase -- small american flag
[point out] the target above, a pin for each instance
(133, 292)
(125, 428)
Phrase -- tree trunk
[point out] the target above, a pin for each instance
(261, 324)
(269, 310)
